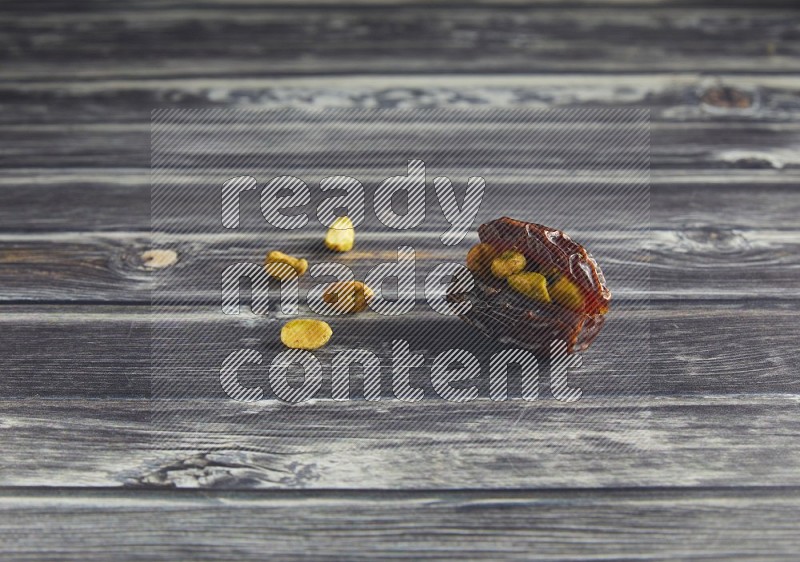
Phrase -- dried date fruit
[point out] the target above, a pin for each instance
(540, 286)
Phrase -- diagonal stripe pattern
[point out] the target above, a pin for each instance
(248, 181)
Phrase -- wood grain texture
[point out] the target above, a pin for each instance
(677, 97)
(698, 263)
(668, 441)
(95, 351)
(54, 201)
(752, 523)
(704, 464)
(259, 40)
(693, 146)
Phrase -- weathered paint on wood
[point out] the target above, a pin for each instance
(96, 351)
(694, 146)
(221, 41)
(79, 81)
(678, 97)
(748, 523)
(53, 201)
(661, 442)
(696, 263)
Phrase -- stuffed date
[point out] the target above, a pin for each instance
(533, 285)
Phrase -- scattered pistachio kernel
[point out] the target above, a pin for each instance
(341, 235)
(508, 263)
(348, 296)
(305, 333)
(531, 284)
(479, 258)
(566, 293)
(277, 262)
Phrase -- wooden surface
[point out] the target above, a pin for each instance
(706, 465)
(647, 523)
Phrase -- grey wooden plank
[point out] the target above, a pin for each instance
(707, 441)
(21, 7)
(739, 348)
(677, 97)
(119, 200)
(694, 146)
(707, 262)
(642, 525)
(345, 39)
(668, 441)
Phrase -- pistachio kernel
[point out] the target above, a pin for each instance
(567, 294)
(305, 333)
(531, 284)
(348, 296)
(341, 235)
(283, 266)
(508, 263)
(479, 258)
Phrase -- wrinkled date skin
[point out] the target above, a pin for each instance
(569, 304)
